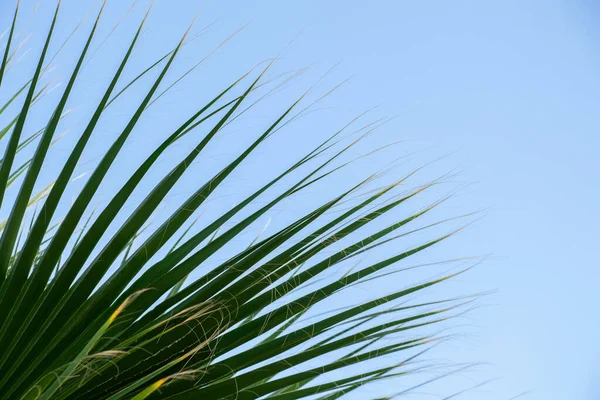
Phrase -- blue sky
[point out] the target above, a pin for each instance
(508, 91)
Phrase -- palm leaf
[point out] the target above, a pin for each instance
(144, 311)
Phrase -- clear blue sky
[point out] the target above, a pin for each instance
(510, 89)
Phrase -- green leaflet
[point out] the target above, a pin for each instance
(5, 59)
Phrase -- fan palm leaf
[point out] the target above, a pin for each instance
(87, 313)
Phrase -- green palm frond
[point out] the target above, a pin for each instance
(143, 310)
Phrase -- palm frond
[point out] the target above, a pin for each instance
(96, 307)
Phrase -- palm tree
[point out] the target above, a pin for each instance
(86, 313)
